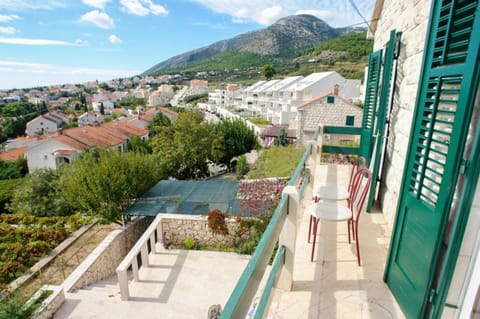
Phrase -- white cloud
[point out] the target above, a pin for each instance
(32, 4)
(8, 30)
(99, 4)
(322, 14)
(25, 41)
(143, 7)
(265, 12)
(114, 39)
(8, 17)
(81, 42)
(100, 19)
(269, 15)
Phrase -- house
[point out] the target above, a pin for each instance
(52, 152)
(198, 87)
(424, 121)
(327, 109)
(64, 146)
(161, 96)
(47, 122)
(89, 118)
(12, 155)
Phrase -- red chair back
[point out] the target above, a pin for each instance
(360, 187)
(360, 163)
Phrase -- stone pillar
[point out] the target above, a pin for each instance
(288, 238)
(300, 126)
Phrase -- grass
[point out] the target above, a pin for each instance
(276, 162)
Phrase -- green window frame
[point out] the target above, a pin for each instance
(330, 99)
(350, 120)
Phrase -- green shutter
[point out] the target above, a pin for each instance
(445, 101)
(370, 105)
(386, 94)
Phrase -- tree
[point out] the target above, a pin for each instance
(102, 108)
(40, 195)
(238, 138)
(160, 120)
(184, 147)
(104, 183)
(282, 139)
(83, 102)
(8, 170)
(138, 145)
(242, 166)
(268, 71)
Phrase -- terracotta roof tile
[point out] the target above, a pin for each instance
(12, 155)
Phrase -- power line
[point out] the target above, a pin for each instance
(360, 14)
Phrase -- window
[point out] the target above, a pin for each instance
(350, 120)
(330, 99)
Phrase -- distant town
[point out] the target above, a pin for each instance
(109, 114)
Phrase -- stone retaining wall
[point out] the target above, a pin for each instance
(179, 227)
(51, 304)
(103, 261)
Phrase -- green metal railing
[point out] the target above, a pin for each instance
(272, 278)
(242, 296)
(239, 302)
(340, 149)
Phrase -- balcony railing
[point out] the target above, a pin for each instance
(348, 131)
(281, 230)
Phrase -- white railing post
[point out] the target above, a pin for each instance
(136, 277)
(153, 243)
(123, 283)
(144, 255)
(288, 238)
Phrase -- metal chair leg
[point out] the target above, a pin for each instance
(315, 225)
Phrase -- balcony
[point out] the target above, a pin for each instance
(184, 284)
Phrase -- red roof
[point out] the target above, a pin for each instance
(12, 155)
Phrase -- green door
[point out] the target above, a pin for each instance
(445, 100)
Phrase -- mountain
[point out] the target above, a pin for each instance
(284, 39)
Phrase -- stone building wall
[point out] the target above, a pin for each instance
(411, 18)
(320, 112)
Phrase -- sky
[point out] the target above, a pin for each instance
(44, 42)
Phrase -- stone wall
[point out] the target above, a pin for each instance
(179, 227)
(410, 18)
(320, 112)
(51, 304)
(103, 261)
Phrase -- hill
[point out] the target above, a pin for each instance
(284, 39)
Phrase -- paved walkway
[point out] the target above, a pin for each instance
(178, 284)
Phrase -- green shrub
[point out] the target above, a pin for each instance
(189, 243)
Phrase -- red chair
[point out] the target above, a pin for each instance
(328, 193)
(331, 211)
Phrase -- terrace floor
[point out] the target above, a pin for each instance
(184, 284)
(333, 285)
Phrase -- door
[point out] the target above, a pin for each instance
(445, 100)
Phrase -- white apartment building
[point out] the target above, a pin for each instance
(277, 100)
